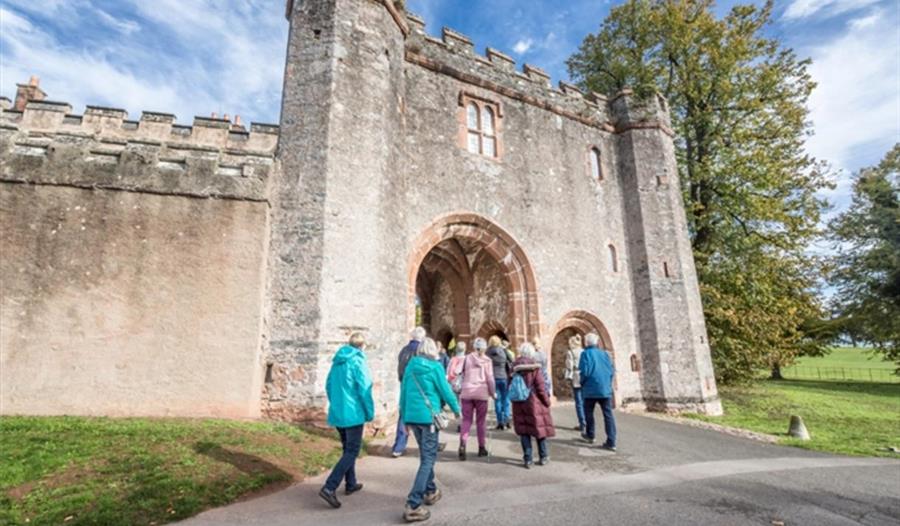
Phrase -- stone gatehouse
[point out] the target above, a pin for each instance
(153, 268)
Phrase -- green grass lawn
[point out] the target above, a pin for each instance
(843, 363)
(853, 418)
(848, 357)
(102, 471)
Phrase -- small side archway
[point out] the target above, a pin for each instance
(575, 322)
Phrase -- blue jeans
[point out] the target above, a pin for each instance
(402, 437)
(579, 406)
(609, 421)
(427, 439)
(501, 404)
(526, 447)
(345, 469)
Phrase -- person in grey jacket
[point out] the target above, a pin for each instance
(573, 376)
(502, 365)
(416, 337)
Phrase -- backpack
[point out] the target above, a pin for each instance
(518, 391)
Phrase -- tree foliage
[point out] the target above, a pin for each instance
(867, 261)
(738, 106)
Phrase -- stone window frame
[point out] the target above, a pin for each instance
(467, 98)
(595, 152)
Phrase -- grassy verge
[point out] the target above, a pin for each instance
(847, 357)
(853, 418)
(101, 471)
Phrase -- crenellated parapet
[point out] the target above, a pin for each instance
(454, 54)
(47, 144)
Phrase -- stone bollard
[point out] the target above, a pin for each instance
(797, 428)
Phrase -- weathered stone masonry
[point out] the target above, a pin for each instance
(370, 203)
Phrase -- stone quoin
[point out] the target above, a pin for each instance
(151, 268)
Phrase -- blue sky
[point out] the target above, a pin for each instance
(194, 57)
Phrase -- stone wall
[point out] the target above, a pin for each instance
(133, 258)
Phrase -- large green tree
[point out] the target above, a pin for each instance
(867, 261)
(738, 105)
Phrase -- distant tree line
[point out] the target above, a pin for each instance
(738, 101)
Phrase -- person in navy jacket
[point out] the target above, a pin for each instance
(597, 373)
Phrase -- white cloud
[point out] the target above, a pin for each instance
(522, 46)
(126, 27)
(188, 58)
(800, 9)
(856, 107)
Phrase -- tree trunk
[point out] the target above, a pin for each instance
(776, 372)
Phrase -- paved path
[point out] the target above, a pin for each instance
(663, 473)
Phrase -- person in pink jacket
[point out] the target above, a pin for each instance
(477, 388)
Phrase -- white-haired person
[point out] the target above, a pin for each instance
(573, 376)
(531, 417)
(416, 336)
(541, 357)
(596, 373)
(350, 406)
(422, 393)
(478, 387)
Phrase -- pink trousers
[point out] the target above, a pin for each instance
(478, 409)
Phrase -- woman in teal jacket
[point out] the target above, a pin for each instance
(422, 393)
(350, 406)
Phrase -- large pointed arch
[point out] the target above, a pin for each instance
(491, 239)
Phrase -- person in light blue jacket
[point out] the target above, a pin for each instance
(422, 393)
(596, 372)
(350, 406)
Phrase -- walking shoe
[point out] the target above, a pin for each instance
(587, 439)
(330, 498)
(608, 447)
(482, 452)
(431, 498)
(350, 490)
(543, 461)
(416, 514)
(578, 428)
(462, 452)
(396, 454)
(499, 427)
(528, 464)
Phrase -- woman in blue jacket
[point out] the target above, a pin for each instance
(350, 406)
(422, 393)
(596, 373)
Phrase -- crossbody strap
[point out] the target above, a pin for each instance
(422, 392)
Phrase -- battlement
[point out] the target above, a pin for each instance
(101, 148)
(454, 54)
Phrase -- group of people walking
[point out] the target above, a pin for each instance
(431, 381)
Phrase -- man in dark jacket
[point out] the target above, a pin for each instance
(417, 336)
(597, 372)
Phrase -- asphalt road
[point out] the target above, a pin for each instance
(663, 473)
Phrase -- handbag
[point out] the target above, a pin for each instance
(438, 419)
(458, 381)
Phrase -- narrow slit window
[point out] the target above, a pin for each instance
(473, 135)
(666, 268)
(613, 259)
(596, 173)
(489, 146)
